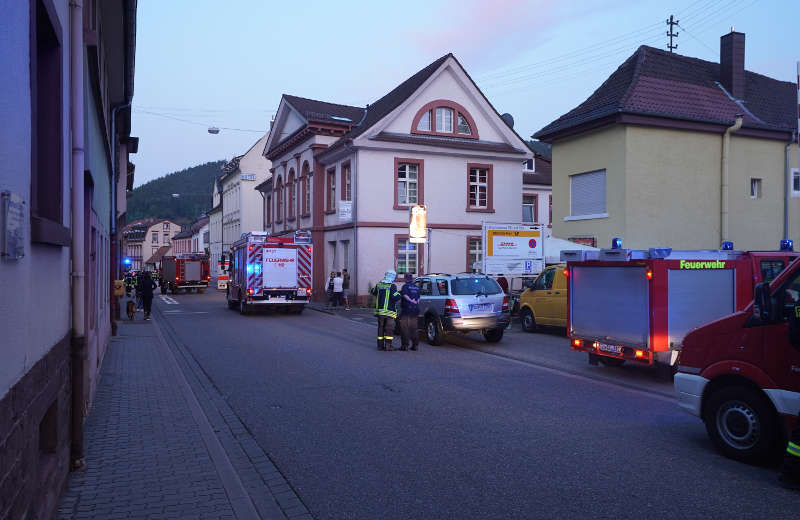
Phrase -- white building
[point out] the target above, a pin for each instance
(241, 204)
(200, 235)
(350, 175)
(537, 190)
(215, 229)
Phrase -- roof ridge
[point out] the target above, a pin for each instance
(642, 53)
(320, 101)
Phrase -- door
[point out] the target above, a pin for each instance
(782, 353)
(559, 297)
(542, 297)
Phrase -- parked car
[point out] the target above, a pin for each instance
(545, 302)
(462, 303)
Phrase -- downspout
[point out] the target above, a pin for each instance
(354, 281)
(787, 175)
(78, 352)
(726, 146)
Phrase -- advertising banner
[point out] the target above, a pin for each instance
(513, 249)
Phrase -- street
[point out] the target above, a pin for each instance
(521, 429)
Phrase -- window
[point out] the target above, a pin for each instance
(347, 187)
(550, 213)
(154, 251)
(478, 188)
(407, 184)
(292, 195)
(470, 285)
(587, 195)
(528, 165)
(331, 199)
(165, 227)
(406, 256)
(530, 208)
(795, 182)
(425, 287)
(154, 237)
(441, 286)
(279, 201)
(755, 188)
(425, 122)
(346, 254)
(771, 268)
(268, 210)
(306, 192)
(166, 238)
(444, 120)
(46, 127)
(332, 249)
(474, 252)
(545, 280)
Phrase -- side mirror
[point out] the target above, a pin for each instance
(763, 303)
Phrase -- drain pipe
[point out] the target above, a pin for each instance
(726, 147)
(787, 187)
(78, 353)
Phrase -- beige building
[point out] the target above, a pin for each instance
(659, 156)
(143, 238)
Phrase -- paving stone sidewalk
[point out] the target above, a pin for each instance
(149, 457)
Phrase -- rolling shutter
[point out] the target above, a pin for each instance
(588, 193)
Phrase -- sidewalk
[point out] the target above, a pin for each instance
(153, 451)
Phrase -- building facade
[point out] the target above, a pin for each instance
(679, 152)
(143, 238)
(351, 175)
(241, 204)
(215, 229)
(64, 142)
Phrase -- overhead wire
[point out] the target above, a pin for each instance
(197, 123)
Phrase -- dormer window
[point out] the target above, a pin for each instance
(445, 118)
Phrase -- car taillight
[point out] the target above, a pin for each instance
(177, 278)
(505, 304)
(249, 291)
(577, 342)
(308, 292)
(639, 354)
(566, 272)
(451, 307)
(649, 274)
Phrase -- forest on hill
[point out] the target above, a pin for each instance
(193, 187)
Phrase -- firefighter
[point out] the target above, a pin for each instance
(790, 470)
(386, 299)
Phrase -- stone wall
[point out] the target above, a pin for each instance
(35, 437)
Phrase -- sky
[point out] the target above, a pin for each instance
(202, 63)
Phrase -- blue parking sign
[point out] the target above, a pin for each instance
(528, 266)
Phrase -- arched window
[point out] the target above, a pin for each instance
(279, 200)
(306, 192)
(445, 118)
(292, 195)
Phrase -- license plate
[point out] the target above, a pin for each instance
(277, 298)
(481, 307)
(613, 349)
(301, 292)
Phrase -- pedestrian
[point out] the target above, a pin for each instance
(139, 301)
(146, 287)
(409, 314)
(790, 469)
(386, 300)
(338, 299)
(346, 289)
(329, 289)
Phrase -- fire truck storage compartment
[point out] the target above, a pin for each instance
(280, 267)
(191, 270)
(168, 269)
(696, 297)
(604, 299)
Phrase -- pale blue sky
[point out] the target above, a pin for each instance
(226, 63)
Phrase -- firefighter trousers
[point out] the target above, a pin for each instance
(791, 459)
(385, 331)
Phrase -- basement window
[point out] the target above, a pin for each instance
(755, 188)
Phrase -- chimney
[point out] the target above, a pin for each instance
(731, 63)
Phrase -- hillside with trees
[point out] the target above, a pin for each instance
(193, 187)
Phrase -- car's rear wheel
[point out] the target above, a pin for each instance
(528, 321)
(741, 424)
(493, 335)
(434, 331)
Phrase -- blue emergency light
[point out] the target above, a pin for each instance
(727, 246)
(126, 261)
(616, 243)
(787, 244)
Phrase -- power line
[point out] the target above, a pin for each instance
(197, 123)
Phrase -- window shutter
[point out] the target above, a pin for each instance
(588, 193)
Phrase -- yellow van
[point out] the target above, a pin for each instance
(545, 301)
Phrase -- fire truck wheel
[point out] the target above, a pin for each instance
(231, 303)
(741, 424)
(243, 306)
(493, 335)
(528, 321)
(433, 331)
(611, 361)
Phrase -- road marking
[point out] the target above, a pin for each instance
(169, 300)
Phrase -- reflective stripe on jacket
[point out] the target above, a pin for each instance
(386, 299)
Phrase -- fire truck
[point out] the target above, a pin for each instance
(741, 373)
(270, 271)
(223, 266)
(639, 305)
(184, 272)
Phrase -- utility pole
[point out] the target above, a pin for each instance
(671, 23)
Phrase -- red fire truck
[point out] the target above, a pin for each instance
(270, 271)
(184, 272)
(741, 373)
(636, 305)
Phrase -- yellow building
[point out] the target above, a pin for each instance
(679, 152)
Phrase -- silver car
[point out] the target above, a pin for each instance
(462, 303)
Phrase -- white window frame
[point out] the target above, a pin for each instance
(533, 205)
(604, 213)
(406, 254)
(756, 187)
(406, 181)
(480, 186)
(461, 119)
(424, 124)
(442, 120)
(476, 252)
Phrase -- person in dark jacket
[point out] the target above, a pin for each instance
(409, 312)
(145, 289)
(386, 299)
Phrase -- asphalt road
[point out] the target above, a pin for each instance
(462, 431)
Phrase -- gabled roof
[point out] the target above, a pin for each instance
(313, 110)
(654, 82)
(186, 233)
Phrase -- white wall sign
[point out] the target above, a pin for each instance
(512, 248)
(345, 208)
(12, 226)
(248, 176)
